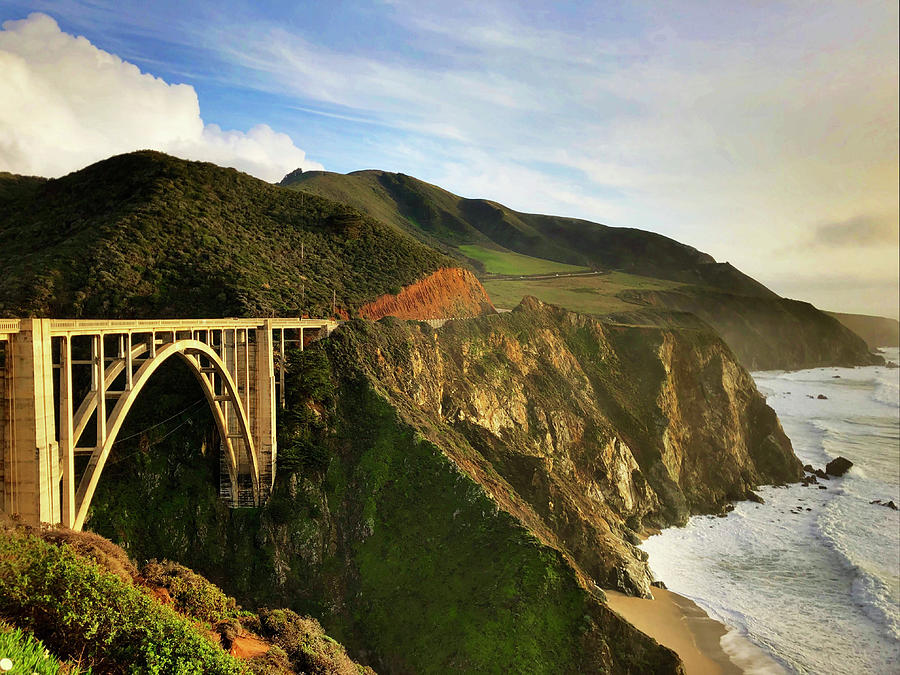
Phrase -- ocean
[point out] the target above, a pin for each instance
(808, 582)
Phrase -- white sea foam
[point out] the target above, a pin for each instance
(811, 577)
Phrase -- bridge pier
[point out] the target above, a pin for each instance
(31, 457)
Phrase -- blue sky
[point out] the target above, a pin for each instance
(764, 133)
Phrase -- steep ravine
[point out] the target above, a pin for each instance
(452, 499)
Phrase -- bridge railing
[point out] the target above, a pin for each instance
(8, 326)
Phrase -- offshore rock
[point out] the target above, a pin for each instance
(838, 466)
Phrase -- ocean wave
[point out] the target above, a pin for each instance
(747, 656)
(810, 577)
(865, 537)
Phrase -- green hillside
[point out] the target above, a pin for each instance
(598, 295)
(450, 222)
(506, 262)
(644, 278)
(145, 234)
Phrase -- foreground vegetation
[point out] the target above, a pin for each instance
(76, 597)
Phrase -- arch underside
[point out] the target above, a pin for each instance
(205, 364)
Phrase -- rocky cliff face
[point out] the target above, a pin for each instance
(451, 292)
(587, 431)
(767, 333)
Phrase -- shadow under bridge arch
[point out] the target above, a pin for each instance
(225, 402)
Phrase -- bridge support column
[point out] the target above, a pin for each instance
(31, 459)
(264, 437)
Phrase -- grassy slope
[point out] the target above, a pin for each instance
(432, 213)
(758, 325)
(146, 234)
(506, 262)
(590, 295)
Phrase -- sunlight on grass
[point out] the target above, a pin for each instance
(590, 295)
(507, 262)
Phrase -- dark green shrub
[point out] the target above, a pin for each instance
(306, 644)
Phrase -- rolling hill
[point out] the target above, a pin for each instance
(628, 275)
(146, 234)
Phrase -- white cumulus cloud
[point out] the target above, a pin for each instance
(65, 104)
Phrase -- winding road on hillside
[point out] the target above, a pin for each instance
(537, 277)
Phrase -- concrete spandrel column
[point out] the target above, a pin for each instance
(263, 421)
(33, 469)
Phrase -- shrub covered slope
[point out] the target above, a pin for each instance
(82, 599)
(149, 235)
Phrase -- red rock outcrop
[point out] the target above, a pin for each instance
(451, 292)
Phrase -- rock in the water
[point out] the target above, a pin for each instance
(809, 467)
(822, 487)
(821, 474)
(658, 584)
(891, 364)
(822, 397)
(891, 505)
(838, 466)
(835, 377)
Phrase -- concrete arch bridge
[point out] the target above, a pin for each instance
(66, 387)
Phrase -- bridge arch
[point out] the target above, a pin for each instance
(194, 353)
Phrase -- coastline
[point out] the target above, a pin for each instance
(679, 624)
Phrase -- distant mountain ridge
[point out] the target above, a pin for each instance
(764, 330)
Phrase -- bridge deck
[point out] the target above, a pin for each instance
(99, 326)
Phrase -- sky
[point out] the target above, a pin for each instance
(764, 133)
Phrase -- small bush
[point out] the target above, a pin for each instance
(192, 594)
(306, 644)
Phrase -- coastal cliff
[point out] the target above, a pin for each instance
(765, 333)
(877, 331)
(451, 292)
(453, 498)
(586, 431)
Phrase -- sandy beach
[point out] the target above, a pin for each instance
(678, 623)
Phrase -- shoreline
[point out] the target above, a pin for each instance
(681, 625)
